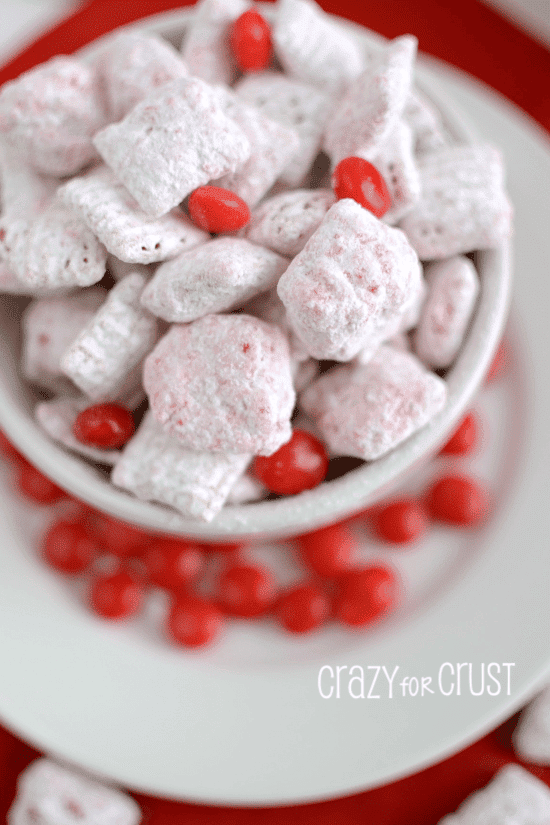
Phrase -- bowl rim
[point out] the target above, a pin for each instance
(333, 500)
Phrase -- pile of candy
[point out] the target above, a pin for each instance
(205, 586)
(326, 179)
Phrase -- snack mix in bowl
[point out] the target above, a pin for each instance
(243, 260)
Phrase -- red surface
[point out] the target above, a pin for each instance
(475, 39)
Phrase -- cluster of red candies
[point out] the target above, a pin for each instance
(122, 562)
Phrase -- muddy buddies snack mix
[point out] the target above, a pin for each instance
(219, 239)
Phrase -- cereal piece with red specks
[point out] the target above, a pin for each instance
(531, 738)
(286, 222)
(397, 165)
(156, 467)
(395, 329)
(425, 122)
(104, 360)
(300, 106)
(132, 65)
(351, 285)
(463, 205)
(313, 48)
(367, 410)
(373, 104)
(52, 250)
(453, 289)
(175, 140)
(513, 797)
(50, 114)
(216, 276)
(222, 383)
(205, 47)
(50, 325)
(57, 418)
(108, 209)
(51, 794)
(272, 147)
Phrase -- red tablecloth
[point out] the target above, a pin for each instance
(477, 40)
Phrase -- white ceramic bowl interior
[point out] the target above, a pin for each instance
(287, 516)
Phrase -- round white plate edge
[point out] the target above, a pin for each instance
(453, 604)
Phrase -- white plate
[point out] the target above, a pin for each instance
(244, 723)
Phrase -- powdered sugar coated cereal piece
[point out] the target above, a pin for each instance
(57, 418)
(272, 146)
(222, 383)
(367, 410)
(108, 209)
(373, 103)
(463, 205)
(513, 797)
(453, 288)
(286, 222)
(156, 467)
(50, 113)
(299, 105)
(313, 48)
(50, 325)
(108, 352)
(216, 276)
(425, 122)
(132, 65)
(54, 249)
(205, 47)
(175, 140)
(351, 284)
(396, 164)
(531, 738)
(51, 794)
(393, 331)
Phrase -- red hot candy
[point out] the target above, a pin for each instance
(104, 425)
(400, 522)
(217, 210)
(366, 594)
(298, 465)
(67, 546)
(250, 41)
(464, 438)
(330, 551)
(117, 596)
(303, 608)
(247, 590)
(358, 179)
(457, 500)
(194, 622)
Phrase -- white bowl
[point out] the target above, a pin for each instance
(292, 515)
